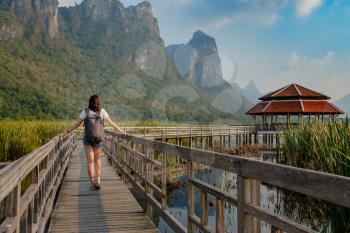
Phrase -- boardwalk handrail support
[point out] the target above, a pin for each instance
(30, 211)
(128, 154)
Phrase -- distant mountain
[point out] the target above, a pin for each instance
(198, 61)
(344, 104)
(52, 59)
(250, 91)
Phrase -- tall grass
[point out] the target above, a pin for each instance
(324, 148)
(319, 147)
(18, 138)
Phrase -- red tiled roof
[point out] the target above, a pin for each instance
(321, 106)
(294, 91)
(294, 106)
(258, 108)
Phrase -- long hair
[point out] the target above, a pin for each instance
(94, 103)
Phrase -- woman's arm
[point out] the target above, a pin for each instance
(114, 125)
(76, 125)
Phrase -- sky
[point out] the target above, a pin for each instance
(271, 42)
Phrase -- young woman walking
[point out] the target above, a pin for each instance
(94, 117)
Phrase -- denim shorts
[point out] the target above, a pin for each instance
(85, 142)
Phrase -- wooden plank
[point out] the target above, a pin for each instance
(111, 209)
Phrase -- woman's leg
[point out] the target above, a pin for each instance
(97, 155)
(90, 162)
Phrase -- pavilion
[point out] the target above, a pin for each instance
(293, 103)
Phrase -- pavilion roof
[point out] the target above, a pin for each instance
(294, 107)
(294, 92)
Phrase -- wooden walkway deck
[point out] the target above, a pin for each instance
(111, 209)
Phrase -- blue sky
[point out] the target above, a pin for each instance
(272, 42)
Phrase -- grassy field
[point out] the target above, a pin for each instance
(19, 137)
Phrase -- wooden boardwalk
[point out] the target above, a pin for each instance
(111, 209)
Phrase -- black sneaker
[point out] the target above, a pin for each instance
(97, 186)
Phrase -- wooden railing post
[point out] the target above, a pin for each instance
(191, 196)
(191, 140)
(229, 137)
(221, 138)
(14, 206)
(220, 213)
(202, 140)
(252, 196)
(164, 180)
(204, 208)
(212, 139)
(149, 178)
(240, 203)
(35, 180)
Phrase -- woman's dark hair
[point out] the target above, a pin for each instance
(94, 103)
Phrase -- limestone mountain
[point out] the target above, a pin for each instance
(344, 103)
(199, 62)
(35, 17)
(250, 91)
(52, 59)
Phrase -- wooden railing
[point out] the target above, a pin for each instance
(28, 186)
(158, 132)
(134, 157)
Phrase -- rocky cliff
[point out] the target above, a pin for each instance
(36, 15)
(199, 62)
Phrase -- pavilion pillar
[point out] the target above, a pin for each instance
(264, 121)
(288, 118)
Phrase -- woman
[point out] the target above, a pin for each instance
(93, 118)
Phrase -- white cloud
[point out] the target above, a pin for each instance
(218, 14)
(297, 62)
(306, 7)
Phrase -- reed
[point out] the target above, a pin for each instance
(319, 147)
(325, 148)
(18, 138)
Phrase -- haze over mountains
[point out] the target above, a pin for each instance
(52, 59)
